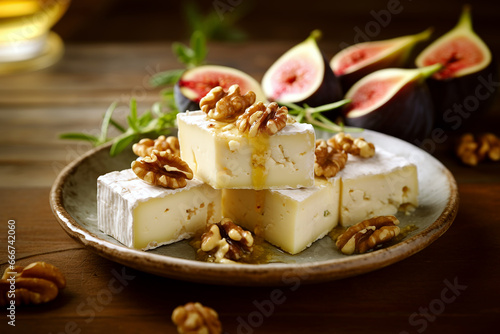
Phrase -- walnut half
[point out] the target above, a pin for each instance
(355, 146)
(146, 146)
(368, 234)
(194, 318)
(259, 118)
(328, 161)
(222, 106)
(472, 150)
(226, 242)
(162, 169)
(36, 283)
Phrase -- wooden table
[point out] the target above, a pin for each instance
(411, 296)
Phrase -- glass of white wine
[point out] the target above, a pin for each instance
(26, 42)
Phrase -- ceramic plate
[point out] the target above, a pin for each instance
(73, 201)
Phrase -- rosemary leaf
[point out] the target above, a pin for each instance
(105, 123)
(121, 142)
(79, 136)
(166, 78)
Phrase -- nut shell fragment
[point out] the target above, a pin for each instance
(162, 169)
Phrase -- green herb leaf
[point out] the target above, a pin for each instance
(117, 125)
(121, 142)
(152, 122)
(184, 54)
(79, 136)
(105, 122)
(313, 116)
(166, 78)
(199, 47)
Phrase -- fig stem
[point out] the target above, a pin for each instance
(424, 35)
(325, 124)
(427, 71)
(465, 21)
(312, 115)
(330, 106)
(315, 35)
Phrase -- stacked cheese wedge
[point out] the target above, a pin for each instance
(265, 184)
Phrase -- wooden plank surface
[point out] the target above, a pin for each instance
(409, 296)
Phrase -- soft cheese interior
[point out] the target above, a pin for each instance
(378, 186)
(144, 217)
(294, 218)
(291, 219)
(221, 156)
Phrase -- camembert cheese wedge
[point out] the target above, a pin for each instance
(291, 219)
(377, 186)
(224, 158)
(144, 217)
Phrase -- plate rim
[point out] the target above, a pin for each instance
(272, 274)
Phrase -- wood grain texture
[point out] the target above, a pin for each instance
(378, 302)
(73, 95)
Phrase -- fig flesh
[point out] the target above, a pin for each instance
(393, 101)
(302, 75)
(354, 62)
(467, 65)
(195, 83)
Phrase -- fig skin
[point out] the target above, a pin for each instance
(184, 103)
(452, 96)
(402, 48)
(246, 82)
(328, 90)
(408, 115)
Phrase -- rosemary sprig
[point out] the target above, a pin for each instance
(313, 116)
(153, 122)
(190, 56)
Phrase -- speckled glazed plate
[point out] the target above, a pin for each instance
(73, 201)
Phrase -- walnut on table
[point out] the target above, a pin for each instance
(328, 161)
(259, 118)
(368, 234)
(194, 318)
(146, 146)
(472, 150)
(36, 283)
(222, 106)
(226, 242)
(162, 169)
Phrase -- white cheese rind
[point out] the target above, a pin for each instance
(376, 186)
(224, 158)
(145, 217)
(290, 219)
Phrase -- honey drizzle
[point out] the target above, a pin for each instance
(260, 148)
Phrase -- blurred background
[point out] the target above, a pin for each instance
(160, 20)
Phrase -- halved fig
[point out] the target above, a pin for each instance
(302, 75)
(394, 101)
(467, 65)
(195, 83)
(359, 60)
